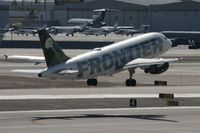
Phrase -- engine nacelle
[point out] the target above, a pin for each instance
(157, 69)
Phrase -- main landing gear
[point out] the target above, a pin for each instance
(130, 81)
(92, 82)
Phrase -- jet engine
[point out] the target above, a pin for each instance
(157, 69)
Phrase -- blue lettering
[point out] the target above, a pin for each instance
(120, 58)
(82, 66)
(95, 65)
(107, 61)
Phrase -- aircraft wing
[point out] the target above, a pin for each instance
(28, 70)
(68, 72)
(141, 62)
(62, 72)
(20, 58)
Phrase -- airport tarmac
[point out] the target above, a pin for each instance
(62, 37)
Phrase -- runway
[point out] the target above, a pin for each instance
(183, 80)
(30, 104)
(140, 120)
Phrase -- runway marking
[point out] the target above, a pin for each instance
(90, 96)
(100, 109)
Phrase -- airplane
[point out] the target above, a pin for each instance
(26, 31)
(190, 38)
(67, 30)
(131, 31)
(141, 51)
(123, 30)
(96, 21)
(104, 30)
(29, 30)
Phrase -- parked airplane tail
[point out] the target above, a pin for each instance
(144, 28)
(102, 13)
(52, 52)
(100, 17)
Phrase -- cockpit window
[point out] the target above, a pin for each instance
(156, 41)
(165, 37)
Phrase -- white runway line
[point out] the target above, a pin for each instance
(90, 96)
(100, 109)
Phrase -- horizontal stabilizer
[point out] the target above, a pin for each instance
(21, 58)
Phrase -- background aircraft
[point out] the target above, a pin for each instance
(26, 31)
(191, 38)
(141, 51)
(83, 25)
(131, 31)
(67, 30)
(104, 30)
(96, 20)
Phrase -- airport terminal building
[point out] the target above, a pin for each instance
(4, 15)
(160, 14)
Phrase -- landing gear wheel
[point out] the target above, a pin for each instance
(192, 47)
(130, 82)
(133, 82)
(89, 82)
(92, 82)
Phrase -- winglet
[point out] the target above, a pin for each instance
(52, 52)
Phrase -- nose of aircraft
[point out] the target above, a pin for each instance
(169, 43)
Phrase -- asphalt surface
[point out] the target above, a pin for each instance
(140, 120)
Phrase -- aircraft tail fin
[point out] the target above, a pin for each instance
(115, 26)
(144, 28)
(101, 15)
(52, 52)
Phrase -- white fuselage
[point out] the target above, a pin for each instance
(66, 29)
(111, 59)
(80, 21)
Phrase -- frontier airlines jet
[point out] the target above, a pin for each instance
(141, 51)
